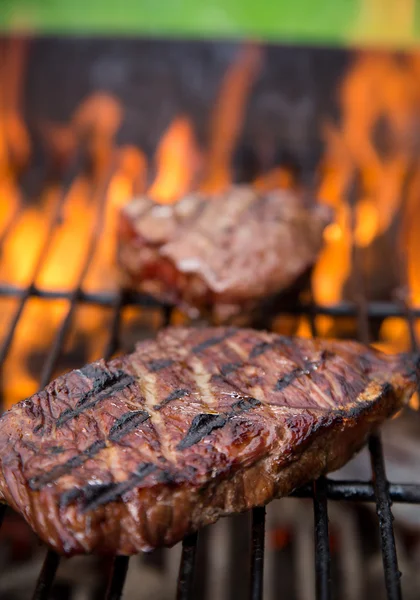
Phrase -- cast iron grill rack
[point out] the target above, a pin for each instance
(378, 490)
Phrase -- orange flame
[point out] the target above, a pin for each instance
(178, 161)
(228, 117)
(376, 90)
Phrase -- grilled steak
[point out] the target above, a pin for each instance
(134, 453)
(220, 255)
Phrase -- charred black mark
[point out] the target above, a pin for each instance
(327, 355)
(178, 476)
(213, 341)
(70, 496)
(289, 378)
(102, 382)
(204, 423)
(230, 368)
(116, 490)
(243, 405)
(175, 395)
(39, 481)
(263, 347)
(160, 363)
(256, 351)
(95, 372)
(166, 477)
(106, 387)
(56, 449)
(93, 496)
(127, 423)
(260, 348)
(309, 368)
(87, 494)
(387, 388)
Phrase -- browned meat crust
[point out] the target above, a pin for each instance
(220, 255)
(135, 453)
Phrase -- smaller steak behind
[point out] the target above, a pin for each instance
(136, 453)
(220, 255)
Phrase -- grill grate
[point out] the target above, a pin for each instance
(379, 490)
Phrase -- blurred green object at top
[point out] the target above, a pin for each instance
(340, 22)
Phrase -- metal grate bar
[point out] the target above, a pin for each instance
(356, 491)
(117, 579)
(380, 484)
(114, 330)
(383, 510)
(186, 568)
(257, 553)
(374, 309)
(46, 577)
(322, 547)
(321, 537)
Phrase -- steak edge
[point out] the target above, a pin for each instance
(137, 452)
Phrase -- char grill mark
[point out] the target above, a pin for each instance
(230, 368)
(213, 341)
(106, 384)
(286, 380)
(258, 350)
(93, 496)
(243, 405)
(175, 395)
(124, 425)
(205, 423)
(201, 426)
(161, 363)
(127, 423)
(40, 481)
(261, 348)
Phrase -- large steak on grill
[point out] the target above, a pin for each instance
(135, 453)
(222, 255)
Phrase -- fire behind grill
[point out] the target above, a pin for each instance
(367, 314)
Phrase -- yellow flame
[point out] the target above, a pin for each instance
(177, 159)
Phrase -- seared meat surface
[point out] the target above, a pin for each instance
(135, 453)
(220, 255)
